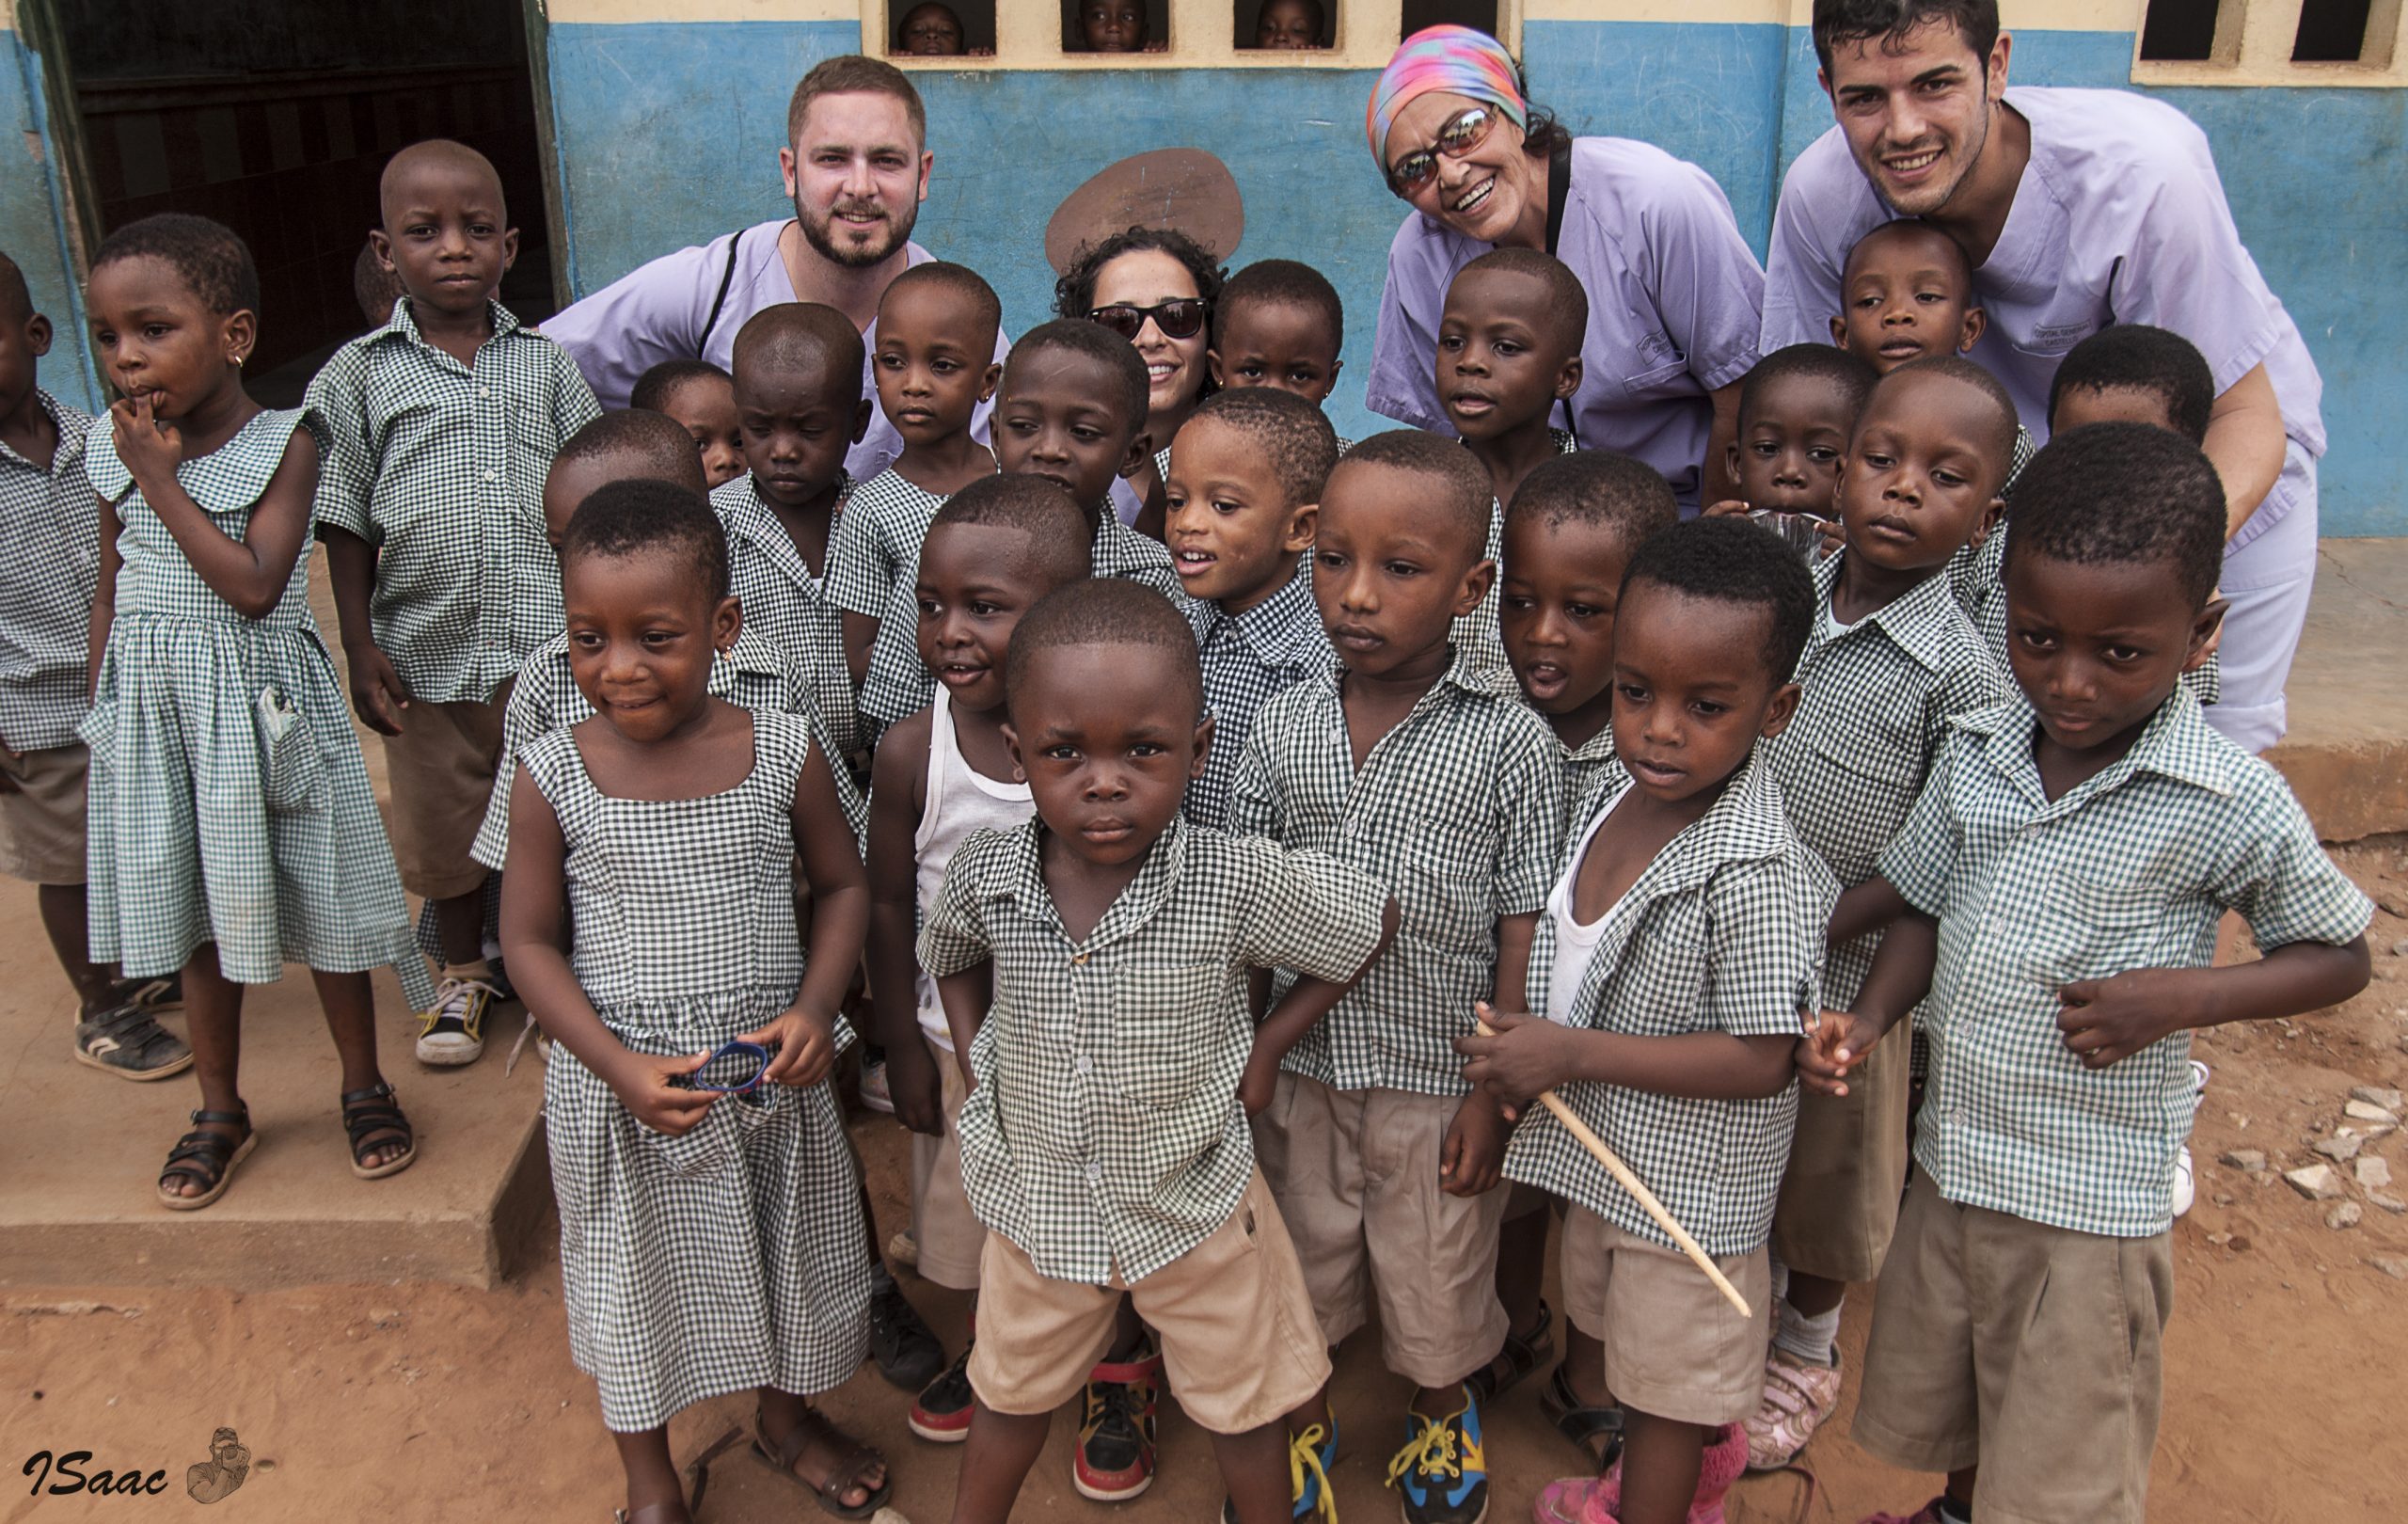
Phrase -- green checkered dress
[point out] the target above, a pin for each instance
(209, 820)
(731, 1256)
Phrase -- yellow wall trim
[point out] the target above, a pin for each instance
(610, 12)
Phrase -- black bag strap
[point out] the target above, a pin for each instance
(718, 300)
(1558, 190)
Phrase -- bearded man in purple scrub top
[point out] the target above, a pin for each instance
(1674, 292)
(2079, 208)
(856, 168)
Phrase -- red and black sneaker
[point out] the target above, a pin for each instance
(942, 1411)
(1115, 1456)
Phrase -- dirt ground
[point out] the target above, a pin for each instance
(420, 1401)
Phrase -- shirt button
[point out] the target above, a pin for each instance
(1077, 959)
(492, 476)
(1095, 1171)
(484, 391)
(1080, 1063)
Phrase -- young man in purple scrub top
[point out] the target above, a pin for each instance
(856, 168)
(2079, 208)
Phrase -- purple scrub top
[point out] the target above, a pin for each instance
(656, 312)
(1675, 300)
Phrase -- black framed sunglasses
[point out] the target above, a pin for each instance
(1182, 317)
(1461, 133)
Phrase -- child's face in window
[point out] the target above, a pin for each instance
(931, 31)
(1793, 435)
(1504, 357)
(1906, 293)
(1281, 344)
(1113, 25)
(1288, 23)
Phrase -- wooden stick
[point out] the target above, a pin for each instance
(1639, 1193)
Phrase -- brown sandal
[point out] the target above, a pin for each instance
(837, 1480)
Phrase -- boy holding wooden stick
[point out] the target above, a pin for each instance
(1678, 956)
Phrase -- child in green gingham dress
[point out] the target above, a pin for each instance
(230, 828)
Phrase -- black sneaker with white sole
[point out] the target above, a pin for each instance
(127, 1041)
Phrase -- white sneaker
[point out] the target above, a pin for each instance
(874, 1095)
(2185, 1187)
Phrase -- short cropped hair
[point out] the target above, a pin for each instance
(639, 516)
(792, 335)
(1290, 433)
(2120, 494)
(657, 386)
(657, 445)
(1617, 493)
(851, 73)
(1287, 283)
(374, 287)
(16, 300)
(1840, 23)
(1458, 485)
(2136, 356)
(2003, 422)
(1732, 561)
(1898, 228)
(962, 281)
(1568, 300)
(1060, 540)
(1846, 374)
(207, 256)
(1105, 610)
(1097, 344)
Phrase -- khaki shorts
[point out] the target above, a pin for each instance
(41, 819)
(1236, 1326)
(1675, 1347)
(1847, 1164)
(951, 1237)
(2030, 1350)
(1356, 1175)
(441, 769)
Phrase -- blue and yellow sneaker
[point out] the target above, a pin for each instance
(1311, 1451)
(1442, 1470)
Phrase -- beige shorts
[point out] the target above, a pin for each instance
(1356, 1175)
(1236, 1326)
(41, 819)
(951, 1237)
(441, 769)
(1675, 1347)
(1839, 1199)
(2054, 1396)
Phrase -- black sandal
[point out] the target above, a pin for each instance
(374, 1119)
(207, 1158)
(1596, 1430)
(837, 1479)
(1517, 1360)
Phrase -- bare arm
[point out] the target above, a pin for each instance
(2111, 1019)
(860, 632)
(1529, 1054)
(1716, 482)
(839, 891)
(898, 792)
(1863, 909)
(1307, 1001)
(378, 696)
(966, 996)
(2245, 443)
(249, 573)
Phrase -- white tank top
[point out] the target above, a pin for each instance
(960, 800)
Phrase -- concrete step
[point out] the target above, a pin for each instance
(80, 1151)
(2346, 754)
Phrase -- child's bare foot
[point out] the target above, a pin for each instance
(201, 1164)
(847, 1477)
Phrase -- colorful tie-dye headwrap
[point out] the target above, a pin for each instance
(1453, 59)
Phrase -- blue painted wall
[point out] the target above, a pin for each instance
(32, 225)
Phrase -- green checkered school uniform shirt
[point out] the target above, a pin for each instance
(1105, 1132)
(1458, 810)
(1588, 768)
(874, 570)
(1873, 713)
(53, 566)
(1121, 551)
(1722, 932)
(1246, 658)
(784, 601)
(2129, 869)
(440, 466)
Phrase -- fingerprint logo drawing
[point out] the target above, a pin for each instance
(227, 1465)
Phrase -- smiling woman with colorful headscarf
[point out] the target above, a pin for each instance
(1675, 294)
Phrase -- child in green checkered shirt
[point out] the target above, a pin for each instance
(2059, 885)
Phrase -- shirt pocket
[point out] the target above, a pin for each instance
(1668, 379)
(1860, 795)
(2089, 929)
(1448, 897)
(1659, 985)
(1165, 1032)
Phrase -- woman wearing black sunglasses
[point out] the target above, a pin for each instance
(1156, 287)
(1675, 294)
